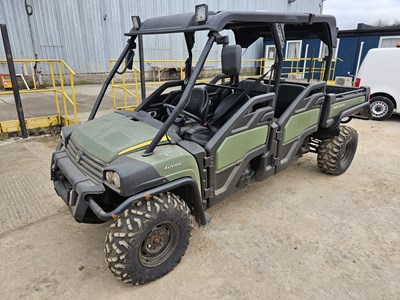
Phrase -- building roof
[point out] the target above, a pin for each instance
(365, 29)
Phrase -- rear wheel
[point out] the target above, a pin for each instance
(148, 239)
(336, 154)
(381, 108)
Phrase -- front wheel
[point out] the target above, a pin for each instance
(381, 108)
(148, 239)
(336, 154)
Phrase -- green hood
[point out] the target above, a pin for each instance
(105, 137)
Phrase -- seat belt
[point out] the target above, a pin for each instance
(240, 97)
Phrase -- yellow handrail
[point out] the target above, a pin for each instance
(22, 60)
(293, 68)
(52, 72)
(296, 64)
(124, 87)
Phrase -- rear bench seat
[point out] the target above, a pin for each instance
(286, 95)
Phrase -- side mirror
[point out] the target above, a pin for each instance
(129, 59)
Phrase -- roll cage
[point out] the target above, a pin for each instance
(273, 26)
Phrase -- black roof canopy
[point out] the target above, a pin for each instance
(247, 25)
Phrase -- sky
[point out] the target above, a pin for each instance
(349, 13)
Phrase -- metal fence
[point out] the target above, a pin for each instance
(126, 87)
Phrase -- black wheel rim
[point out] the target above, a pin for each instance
(347, 154)
(159, 244)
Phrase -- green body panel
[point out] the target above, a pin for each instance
(171, 162)
(106, 136)
(236, 146)
(298, 123)
(338, 107)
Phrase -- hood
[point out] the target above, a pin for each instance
(107, 136)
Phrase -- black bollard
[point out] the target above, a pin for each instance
(11, 69)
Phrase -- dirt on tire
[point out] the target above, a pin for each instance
(124, 242)
(336, 154)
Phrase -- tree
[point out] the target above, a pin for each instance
(381, 23)
(396, 22)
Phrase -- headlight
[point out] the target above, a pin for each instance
(136, 22)
(116, 180)
(201, 12)
(113, 178)
(109, 176)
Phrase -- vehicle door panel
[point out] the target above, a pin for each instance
(298, 121)
(243, 137)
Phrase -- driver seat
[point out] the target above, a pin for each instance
(197, 107)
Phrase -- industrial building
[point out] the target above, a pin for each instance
(352, 47)
(87, 34)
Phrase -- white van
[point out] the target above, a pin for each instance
(381, 71)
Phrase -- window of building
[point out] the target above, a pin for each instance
(323, 50)
(293, 49)
(389, 41)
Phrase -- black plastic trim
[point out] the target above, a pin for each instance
(363, 108)
(81, 185)
(199, 155)
(199, 210)
(135, 175)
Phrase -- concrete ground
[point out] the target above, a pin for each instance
(298, 235)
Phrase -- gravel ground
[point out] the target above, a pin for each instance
(298, 235)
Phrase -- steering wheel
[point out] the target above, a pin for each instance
(181, 116)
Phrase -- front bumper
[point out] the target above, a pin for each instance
(72, 185)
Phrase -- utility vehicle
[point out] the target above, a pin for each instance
(190, 144)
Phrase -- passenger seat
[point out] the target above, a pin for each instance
(227, 108)
(231, 57)
(260, 88)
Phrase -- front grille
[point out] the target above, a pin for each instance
(85, 162)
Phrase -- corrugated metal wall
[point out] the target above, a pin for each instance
(87, 33)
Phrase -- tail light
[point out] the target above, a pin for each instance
(357, 82)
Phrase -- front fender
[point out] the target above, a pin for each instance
(196, 204)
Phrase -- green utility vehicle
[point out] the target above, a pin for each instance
(190, 144)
